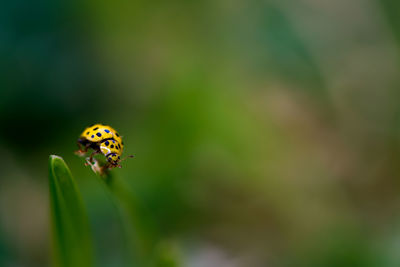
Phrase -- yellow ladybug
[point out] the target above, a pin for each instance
(102, 139)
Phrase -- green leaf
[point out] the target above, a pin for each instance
(72, 242)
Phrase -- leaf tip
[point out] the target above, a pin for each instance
(55, 157)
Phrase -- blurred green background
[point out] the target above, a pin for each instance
(265, 133)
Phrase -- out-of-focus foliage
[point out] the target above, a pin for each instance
(265, 133)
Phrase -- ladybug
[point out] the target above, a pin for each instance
(104, 140)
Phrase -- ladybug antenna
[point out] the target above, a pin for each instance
(130, 156)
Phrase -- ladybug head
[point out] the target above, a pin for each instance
(114, 159)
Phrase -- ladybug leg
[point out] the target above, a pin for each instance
(95, 166)
(81, 151)
(104, 169)
(79, 146)
(91, 155)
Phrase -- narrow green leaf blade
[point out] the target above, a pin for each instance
(72, 242)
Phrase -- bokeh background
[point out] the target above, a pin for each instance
(265, 132)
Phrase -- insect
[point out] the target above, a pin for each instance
(104, 140)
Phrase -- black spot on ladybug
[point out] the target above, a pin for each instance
(119, 157)
(112, 146)
(98, 134)
(95, 128)
(107, 143)
(92, 136)
(107, 131)
(87, 133)
(119, 146)
(117, 134)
